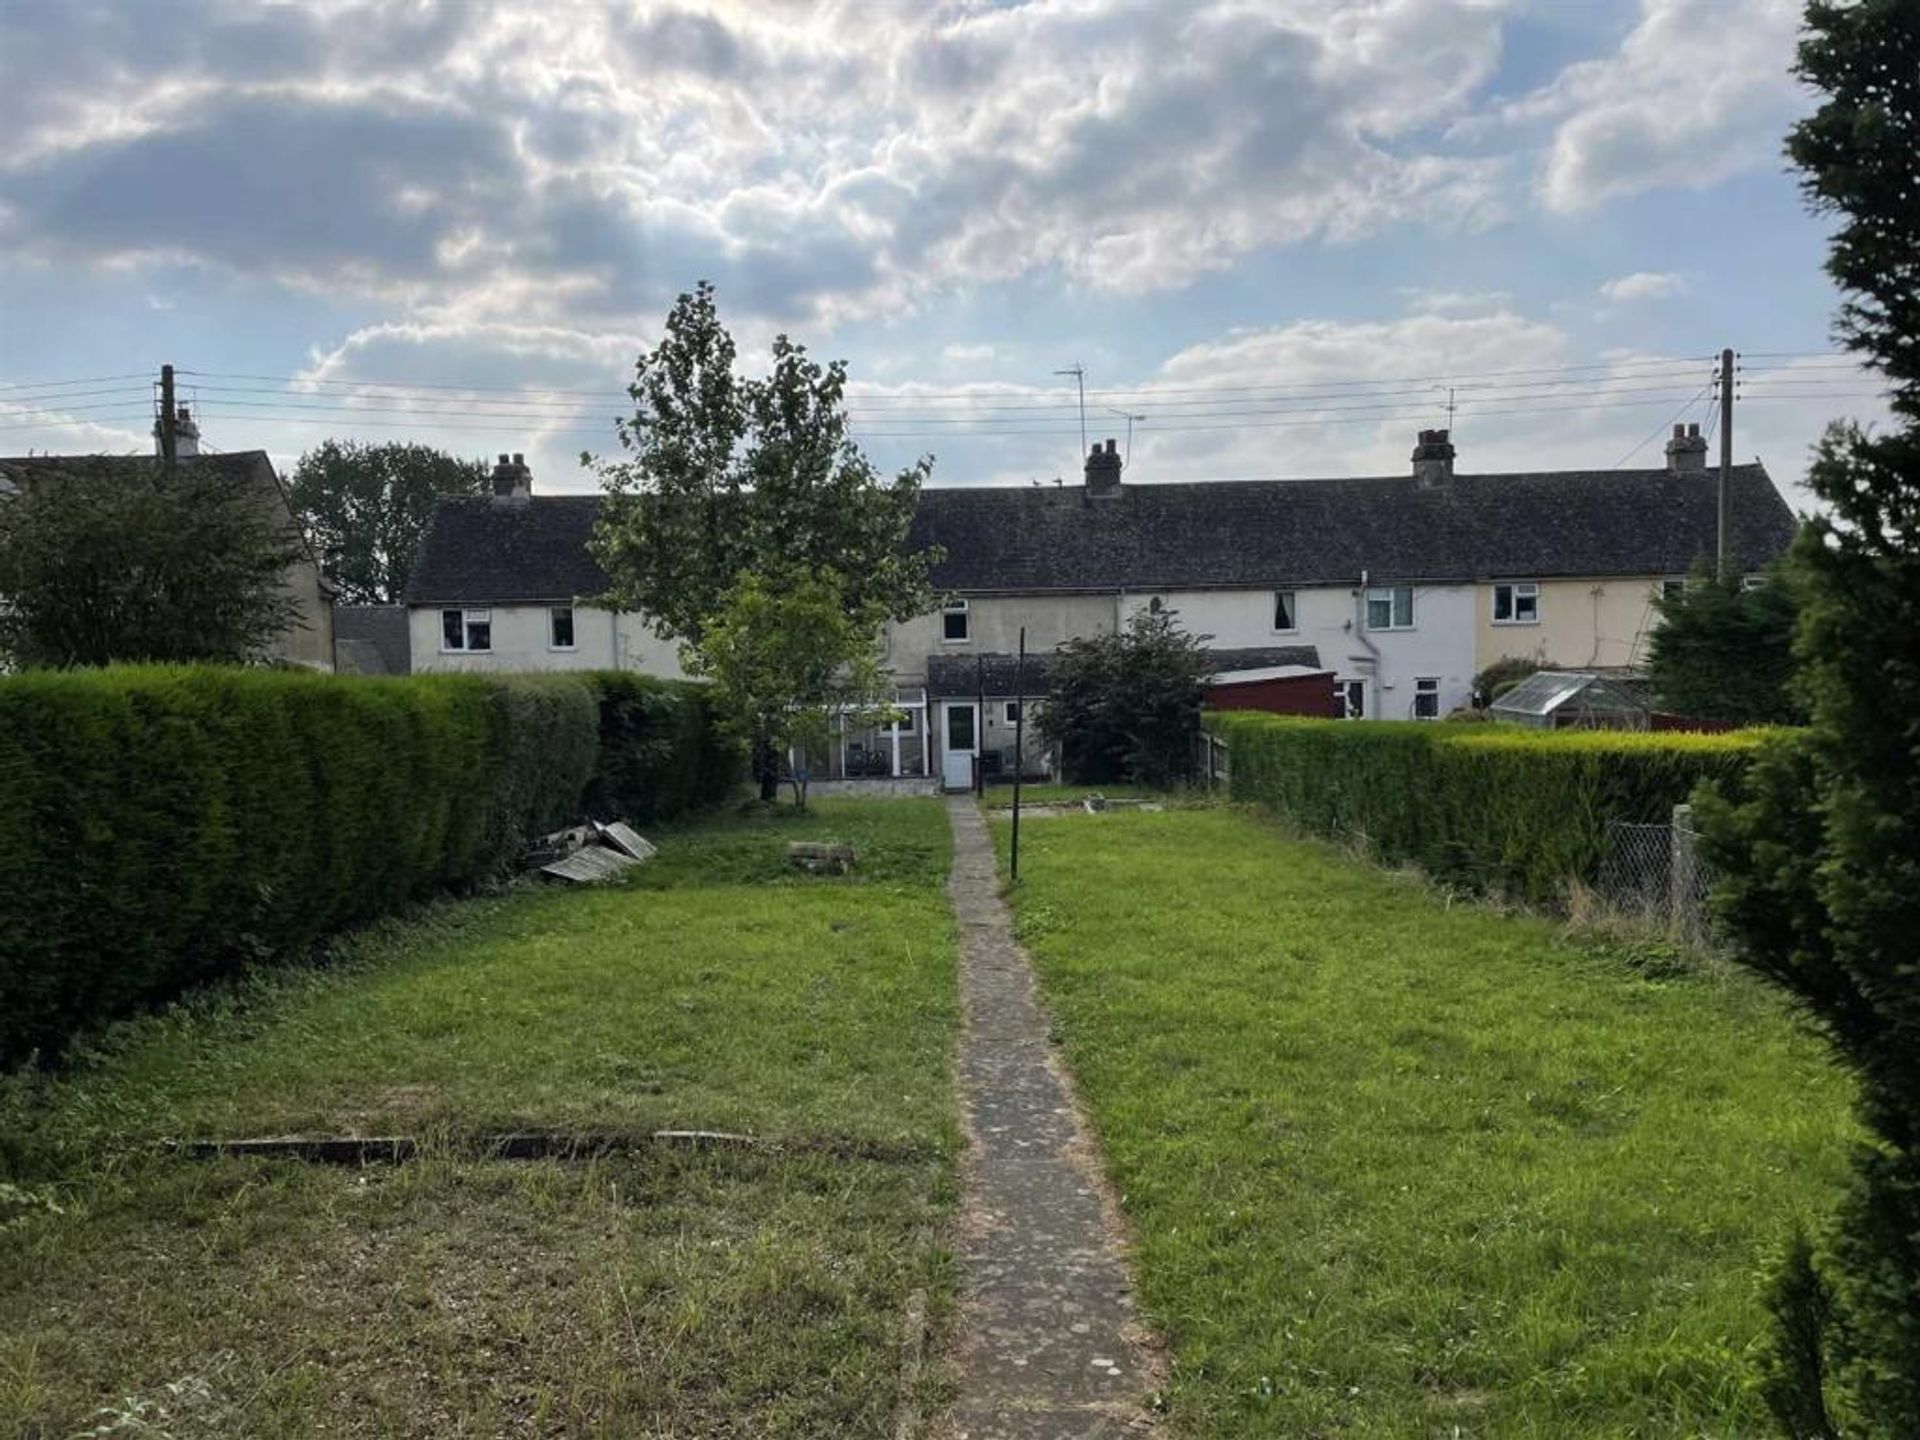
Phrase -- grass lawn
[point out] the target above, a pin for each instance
(656, 1293)
(1403, 1169)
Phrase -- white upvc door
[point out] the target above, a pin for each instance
(960, 742)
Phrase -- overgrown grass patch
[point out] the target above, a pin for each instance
(660, 1293)
(1399, 1168)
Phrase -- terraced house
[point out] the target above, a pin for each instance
(1392, 591)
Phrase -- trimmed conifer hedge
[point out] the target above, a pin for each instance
(1514, 812)
(162, 826)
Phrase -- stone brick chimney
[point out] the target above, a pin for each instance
(186, 435)
(1103, 471)
(1687, 451)
(512, 481)
(1433, 458)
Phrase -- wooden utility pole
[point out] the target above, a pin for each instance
(1726, 458)
(167, 412)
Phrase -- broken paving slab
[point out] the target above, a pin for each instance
(623, 837)
(589, 865)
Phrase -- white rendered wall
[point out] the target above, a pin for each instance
(522, 641)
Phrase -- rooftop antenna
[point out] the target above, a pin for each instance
(1129, 417)
(1449, 390)
(1079, 373)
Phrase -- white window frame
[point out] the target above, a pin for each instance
(1425, 687)
(1672, 585)
(1343, 689)
(1387, 595)
(553, 615)
(469, 617)
(1517, 591)
(1012, 712)
(1293, 612)
(960, 608)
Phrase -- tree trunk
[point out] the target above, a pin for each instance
(766, 770)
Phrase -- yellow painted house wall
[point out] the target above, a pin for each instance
(1583, 624)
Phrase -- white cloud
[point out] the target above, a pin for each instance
(965, 354)
(856, 161)
(1643, 285)
(1698, 91)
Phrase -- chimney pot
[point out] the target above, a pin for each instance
(1432, 458)
(1103, 471)
(1694, 429)
(512, 481)
(518, 458)
(1686, 451)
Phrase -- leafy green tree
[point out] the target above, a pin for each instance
(114, 563)
(728, 477)
(1724, 649)
(1822, 851)
(1126, 706)
(784, 657)
(365, 507)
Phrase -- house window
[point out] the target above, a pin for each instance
(1516, 603)
(1013, 712)
(1350, 699)
(1390, 607)
(905, 721)
(1672, 589)
(1285, 615)
(953, 623)
(466, 630)
(1426, 698)
(560, 627)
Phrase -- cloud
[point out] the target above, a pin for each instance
(1643, 285)
(1698, 91)
(967, 353)
(855, 162)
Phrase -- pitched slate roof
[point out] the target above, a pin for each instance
(23, 471)
(479, 552)
(1318, 532)
(371, 640)
(1221, 533)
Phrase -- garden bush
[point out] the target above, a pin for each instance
(164, 826)
(660, 751)
(1488, 808)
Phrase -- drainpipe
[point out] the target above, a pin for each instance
(1372, 657)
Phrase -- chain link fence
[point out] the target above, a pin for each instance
(1655, 872)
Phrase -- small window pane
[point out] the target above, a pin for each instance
(1526, 602)
(960, 727)
(953, 622)
(1013, 712)
(479, 630)
(1402, 606)
(1379, 612)
(1426, 699)
(1503, 602)
(453, 630)
(1283, 610)
(563, 627)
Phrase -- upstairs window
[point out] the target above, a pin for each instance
(468, 630)
(1390, 607)
(1516, 602)
(1013, 712)
(1286, 615)
(953, 623)
(560, 627)
(1426, 698)
(1672, 588)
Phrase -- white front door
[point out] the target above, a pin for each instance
(960, 737)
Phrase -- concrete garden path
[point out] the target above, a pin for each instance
(1048, 1344)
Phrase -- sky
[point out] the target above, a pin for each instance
(1280, 236)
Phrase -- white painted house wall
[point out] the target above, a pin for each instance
(1439, 646)
(522, 641)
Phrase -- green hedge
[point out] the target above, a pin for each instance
(1516, 812)
(160, 827)
(660, 752)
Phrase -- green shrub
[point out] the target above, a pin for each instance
(661, 753)
(160, 827)
(1484, 807)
